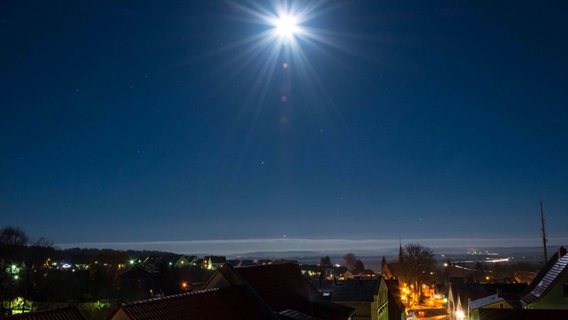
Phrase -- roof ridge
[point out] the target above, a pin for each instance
(544, 283)
(169, 297)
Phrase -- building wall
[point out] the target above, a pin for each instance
(382, 302)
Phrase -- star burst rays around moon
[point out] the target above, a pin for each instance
(281, 43)
(269, 59)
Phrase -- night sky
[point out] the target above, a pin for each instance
(193, 120)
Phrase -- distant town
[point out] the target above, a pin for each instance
(39, 281)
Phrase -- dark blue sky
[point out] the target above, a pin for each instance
(165, 120)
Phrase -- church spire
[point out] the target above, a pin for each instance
(400, 252)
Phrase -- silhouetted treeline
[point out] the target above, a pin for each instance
(40, 273)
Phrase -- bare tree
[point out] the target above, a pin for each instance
(418, 262)
(13, 237)
(359, 266)
(325, 261)
(350, 260)
(12, 242)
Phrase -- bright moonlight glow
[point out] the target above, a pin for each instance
(285, 30)
(286, 26)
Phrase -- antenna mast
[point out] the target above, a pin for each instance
(543, 232)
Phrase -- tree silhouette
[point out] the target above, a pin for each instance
(359, 266)
(350, 260)
(12, 242)
(418, 262)
(325, 261)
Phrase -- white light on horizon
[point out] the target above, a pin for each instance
(240, 246)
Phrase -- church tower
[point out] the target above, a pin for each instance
(400, 252)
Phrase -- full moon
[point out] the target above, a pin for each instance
(286, 26)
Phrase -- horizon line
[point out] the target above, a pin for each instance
(244, 246)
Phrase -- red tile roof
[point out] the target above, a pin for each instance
(281, 286)
(217, 303)
(294, 315)
(70, 313)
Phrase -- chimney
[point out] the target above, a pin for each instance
(561, 252)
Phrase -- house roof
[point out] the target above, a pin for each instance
(279, 287)
(522, 314)
(540, 275)
(476, 291)
(544, 281)
(356, 290)
(294, 315)
(391, 269)
(217, 303)
(489, 300)
(70, 313)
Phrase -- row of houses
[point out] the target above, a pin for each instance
(546, 297)
(270, 291)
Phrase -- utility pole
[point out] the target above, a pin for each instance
(543, 232)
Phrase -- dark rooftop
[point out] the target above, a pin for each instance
(217, 303)
(70, 313)
(356, 290)
(522, 314)
(546, 277)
